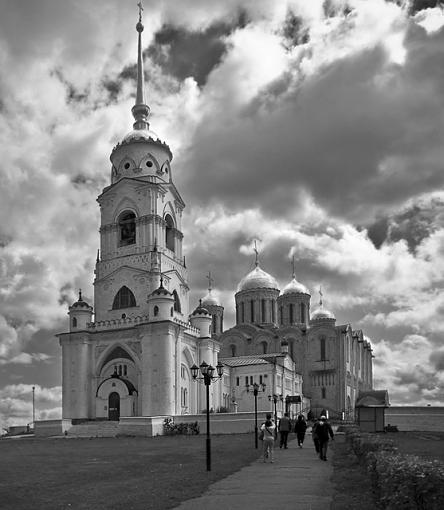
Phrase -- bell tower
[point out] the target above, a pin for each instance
(141, 221)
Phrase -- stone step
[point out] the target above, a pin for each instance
(94, 429)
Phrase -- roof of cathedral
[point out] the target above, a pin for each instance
(257, 279)
(258, 359)
(295, 287)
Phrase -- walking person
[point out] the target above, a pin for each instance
(284, 429)
(314, 435)
(324, 433)
(269, 430)
(300, 428)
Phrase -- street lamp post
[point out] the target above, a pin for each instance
(208, 377)
(275, 398)
(256, 388)
(33, 407)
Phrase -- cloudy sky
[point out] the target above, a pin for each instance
(314, 126)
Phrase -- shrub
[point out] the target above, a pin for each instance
(171, 429)
(399, 482)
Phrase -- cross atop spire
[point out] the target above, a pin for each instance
(140, 110)
(210, 281)
(320, 295)
(292, 265)
(140, 6)
(256, 262)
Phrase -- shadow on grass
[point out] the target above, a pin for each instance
(114, 473)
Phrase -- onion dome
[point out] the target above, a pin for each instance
(257, 279)
(80, 303)
(295, 287)
(200, 310)
(210, 300)
(322, 313)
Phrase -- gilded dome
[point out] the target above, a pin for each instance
(322, 313)
(257, 279)
(295, 287)
(210, 300)
(140, 134)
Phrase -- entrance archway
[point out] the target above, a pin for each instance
(114, 406)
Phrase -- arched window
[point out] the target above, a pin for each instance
(214, 324)
(242, 312)
(74, 322)
(303, 312)
(252, 310)
(124, 299)
(322, 344)
(233, 350)
(264, 347)
(177, 307)
(127, 228)
(273, 313)
(263, 310)
(281, 313)
(291, 308)
(172, 311)
(169, 232)
(156, 311)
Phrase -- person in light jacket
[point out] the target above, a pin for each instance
(269, 430)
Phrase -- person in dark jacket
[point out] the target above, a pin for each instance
(314, 435)
(300, 427)
(324, 432)
(284, 429)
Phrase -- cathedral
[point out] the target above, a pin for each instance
(131, 354)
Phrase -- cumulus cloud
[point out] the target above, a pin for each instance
(16, 404)
(314, 127)
(405, 371)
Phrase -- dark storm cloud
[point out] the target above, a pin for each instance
(360, 136)
(294, 31)
(413, 224)
(183, 53)
(437, 359)
(419, 5)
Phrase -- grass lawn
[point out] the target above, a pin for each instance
(424, 444)
(350, 479)
(115, 473)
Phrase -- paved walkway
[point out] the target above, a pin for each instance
(297, 479)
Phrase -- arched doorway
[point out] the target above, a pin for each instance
(114, 406)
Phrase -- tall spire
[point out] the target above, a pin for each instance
(140, 110)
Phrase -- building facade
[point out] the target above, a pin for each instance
(131, 354)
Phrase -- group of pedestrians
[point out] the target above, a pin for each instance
(321, 433)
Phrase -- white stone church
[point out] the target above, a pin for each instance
(130, 354)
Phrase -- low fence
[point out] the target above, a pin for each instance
(407, 418)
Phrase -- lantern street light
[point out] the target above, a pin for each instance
(207, 377)
(256, 388)
(275, 398)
